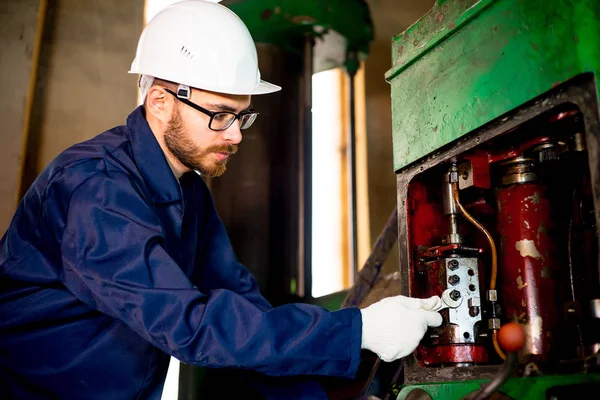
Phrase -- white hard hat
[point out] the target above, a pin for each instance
(200, 44)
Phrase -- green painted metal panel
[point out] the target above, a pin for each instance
(468, 62)
(531, 388)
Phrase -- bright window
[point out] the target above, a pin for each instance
(328, 155)
(331, 240)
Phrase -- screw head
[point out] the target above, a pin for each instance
(455, 295)
(453, 264)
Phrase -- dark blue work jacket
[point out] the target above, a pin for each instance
(110, 265)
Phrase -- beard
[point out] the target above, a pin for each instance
(191, 155)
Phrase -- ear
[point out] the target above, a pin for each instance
(159, 104)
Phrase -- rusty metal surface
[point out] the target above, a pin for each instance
(582, 93)
(467, 62)
(452, 354)
(415, 373)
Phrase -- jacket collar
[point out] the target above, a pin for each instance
(151, 160)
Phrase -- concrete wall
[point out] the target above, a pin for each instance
(81, 86)
(87, 89)
(18, 31)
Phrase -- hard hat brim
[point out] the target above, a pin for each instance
(265, 87)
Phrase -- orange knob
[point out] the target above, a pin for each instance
(511, 337)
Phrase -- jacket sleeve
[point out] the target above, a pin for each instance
(115, 261)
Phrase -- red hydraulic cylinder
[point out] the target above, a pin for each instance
(529, 263)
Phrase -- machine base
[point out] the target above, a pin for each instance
(555, 387)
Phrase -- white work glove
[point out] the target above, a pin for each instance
(393, 327)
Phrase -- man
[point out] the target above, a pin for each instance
(116, 258)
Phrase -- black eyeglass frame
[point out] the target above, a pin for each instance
(212, 114)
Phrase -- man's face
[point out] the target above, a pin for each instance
(197, 147)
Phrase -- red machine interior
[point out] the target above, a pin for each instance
(530, 189)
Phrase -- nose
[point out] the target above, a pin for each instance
(233, 134)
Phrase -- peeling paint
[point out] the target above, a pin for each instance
(523, 304)
(527, 224)
(534, 198)
(527, 249)
(536, 327)
(520, 283)
(303, 19)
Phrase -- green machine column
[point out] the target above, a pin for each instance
(283, 22)
(467, 62)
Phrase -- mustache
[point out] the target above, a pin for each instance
(223, 148)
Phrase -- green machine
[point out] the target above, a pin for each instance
(496, 138)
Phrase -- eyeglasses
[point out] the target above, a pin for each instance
(221, 120)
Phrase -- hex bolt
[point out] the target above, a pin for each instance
(453, 279)
(455, 295)
(453, 264)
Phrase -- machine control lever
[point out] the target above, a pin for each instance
(512, 339)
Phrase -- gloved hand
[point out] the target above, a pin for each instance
(393, 327)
